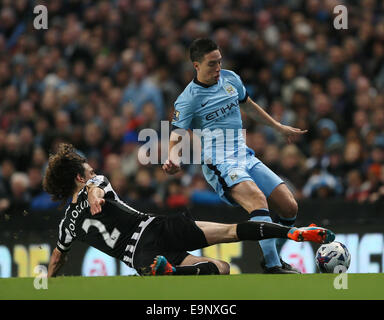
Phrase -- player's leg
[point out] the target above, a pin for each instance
(204, 265)
(258, 230)
(282, 202)
(190, 265)
(252, 199)
(163, 249)
(236, 185)
(182, 263)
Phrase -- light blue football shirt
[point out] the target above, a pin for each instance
(215, 110)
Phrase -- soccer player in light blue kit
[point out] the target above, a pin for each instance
(211, 103)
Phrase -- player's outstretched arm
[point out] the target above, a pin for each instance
(171, 166)
(57, 260)
(95, 199)
(287, 131)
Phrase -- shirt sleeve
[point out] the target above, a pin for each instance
(183, 114)
(238, 84)
(102, 182)
(65, 240)
(98, 181)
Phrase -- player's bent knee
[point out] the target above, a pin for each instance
(291, 209)
(251, 198)
(224, 267)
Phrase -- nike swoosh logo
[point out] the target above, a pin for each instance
(203, 104)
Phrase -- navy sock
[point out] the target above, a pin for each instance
(200, 268)
(289, 222)
(268, 246)
(259, 230)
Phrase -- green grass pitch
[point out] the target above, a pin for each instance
(232, 287)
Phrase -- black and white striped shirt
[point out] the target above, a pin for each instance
(114, 231)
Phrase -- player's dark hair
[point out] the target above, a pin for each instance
(63, 167)
(201, 47)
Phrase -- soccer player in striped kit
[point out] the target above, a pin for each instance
(153, 245)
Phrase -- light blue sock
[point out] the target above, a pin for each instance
(268, 246)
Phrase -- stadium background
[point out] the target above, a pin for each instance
(104, 70)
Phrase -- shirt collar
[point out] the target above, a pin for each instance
(202, 84)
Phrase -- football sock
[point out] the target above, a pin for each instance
(289, 222)
(268, 246)
(259, 230)
(200, 268)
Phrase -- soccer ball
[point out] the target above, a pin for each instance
(331, 255)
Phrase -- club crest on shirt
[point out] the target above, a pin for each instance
(233, 176)
(176, 115)
(230, 90)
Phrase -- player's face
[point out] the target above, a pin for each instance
(208, 70)
(88, 172)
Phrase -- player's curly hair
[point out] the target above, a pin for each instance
(63, 167)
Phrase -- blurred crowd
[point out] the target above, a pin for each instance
(104, 70)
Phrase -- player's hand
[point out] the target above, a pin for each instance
(170, 167)
(95, 205)
(290, 132)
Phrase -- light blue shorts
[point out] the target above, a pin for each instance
(223, 176)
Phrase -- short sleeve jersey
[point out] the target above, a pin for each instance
(109, 231)
(215, 111)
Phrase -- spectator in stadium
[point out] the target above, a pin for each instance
(353, 153)
(176, 196)
(7, 170)
(82, 66)
(378, 195)
(18, 201)
(271, 157)
(201, 194)
(322, 184)
(373, 183)
(141, 90)
(142, 190)
(292, 168)
(354, 185)
(35, 180)
(317, 154)
(115, 135)
(129, 158)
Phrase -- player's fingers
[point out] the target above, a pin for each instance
(175, 165)
(295, 131)
(96, 208)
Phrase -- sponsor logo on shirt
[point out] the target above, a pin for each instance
(221, 111)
